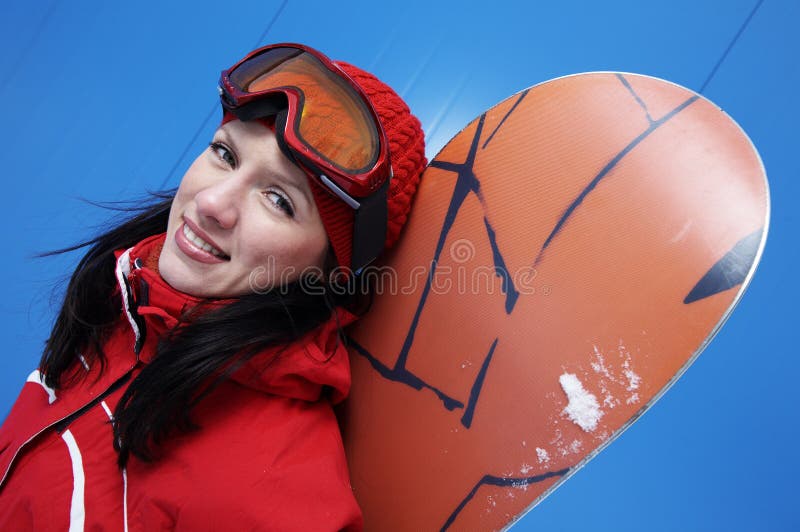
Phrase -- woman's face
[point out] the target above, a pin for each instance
(243, 218)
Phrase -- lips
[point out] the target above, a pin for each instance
(193, 242)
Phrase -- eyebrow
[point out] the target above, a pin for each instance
(278, 176)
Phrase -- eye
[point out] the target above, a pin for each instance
(280, 201)
(223, 153)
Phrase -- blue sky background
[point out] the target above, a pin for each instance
(100, 100)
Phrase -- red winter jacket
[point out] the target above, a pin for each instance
(268, 455)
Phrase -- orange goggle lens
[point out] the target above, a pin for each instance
(333, 120)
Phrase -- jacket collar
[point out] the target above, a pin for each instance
(301, 370)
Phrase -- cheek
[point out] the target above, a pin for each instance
(186, 190)
(190, 181)
(317, 245)
(317, 248)
(288, 247)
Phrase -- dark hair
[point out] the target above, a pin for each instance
(191, 359)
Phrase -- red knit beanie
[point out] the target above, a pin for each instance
(407, 156)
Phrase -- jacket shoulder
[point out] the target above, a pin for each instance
(257, 461)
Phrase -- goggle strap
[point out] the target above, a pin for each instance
(341, 194)
(369, 228)
(280, 127)
(267, 106)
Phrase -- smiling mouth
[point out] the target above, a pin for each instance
(202, 244)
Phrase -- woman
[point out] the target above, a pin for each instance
(189, 378)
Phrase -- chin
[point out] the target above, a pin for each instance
(173, 271)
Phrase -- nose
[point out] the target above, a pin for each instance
(219, 203)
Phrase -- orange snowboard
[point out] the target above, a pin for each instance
(570, 253)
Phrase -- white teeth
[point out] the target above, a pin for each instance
(200, 243)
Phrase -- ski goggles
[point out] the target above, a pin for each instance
(324, 123)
